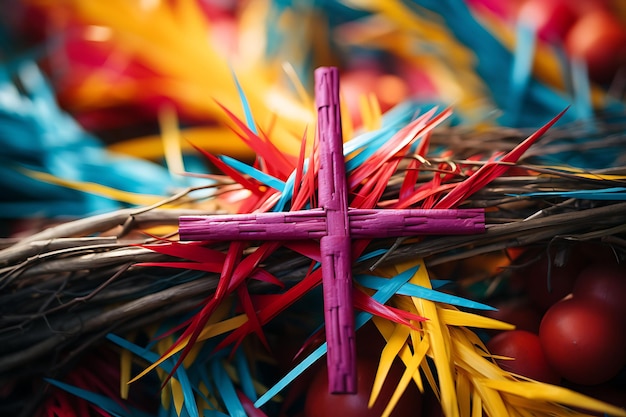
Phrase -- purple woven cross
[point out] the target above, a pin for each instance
(335, 225)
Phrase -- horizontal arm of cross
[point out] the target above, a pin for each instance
(311, 224)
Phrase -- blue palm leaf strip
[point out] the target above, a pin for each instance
(412, 290)
(370, 142)
(245, 376)
(582, 91)
(198, 372)
(613, 193)
(287, 191)
(174, 413)
(293, 374)
(227, 390)
(376, 140)
(188, 394)
(58, 146)
(258, 175)
(382, 296)
(370, 255)
(103, 402)
(542, 94)
(213, 413)
(365, 145)
(49, 209)
(438, 283)
(246, 106)
(204, 377)
(143, 353)
(522, 66)
(492, 60)
(395, 118)
(359, 141)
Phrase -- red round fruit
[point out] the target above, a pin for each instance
(518, 312)
(594, 252)
(599, 40)
(320, 403)
(528, 357)
(605, 284)
(550, 278)
(583, 341)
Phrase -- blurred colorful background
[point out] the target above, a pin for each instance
(87, 85)
(104, 104)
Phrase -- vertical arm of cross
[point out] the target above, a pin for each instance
(335, 247)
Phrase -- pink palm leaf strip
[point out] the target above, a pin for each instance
(335, 225)
(232, 173)
(492, 169)
(398, 144)
(264, 148)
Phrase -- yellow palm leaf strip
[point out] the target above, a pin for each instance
(430, 377)
(98, 189)
(386, 328)
(369, 108)
(193, 354)
(375, 111)
(170, 133)
(199, 71)
(539, 407)
(301, 90)
(210, 330)
(218, 140)
(347, 125)
(493, 403)
(537, 391)
(418, 341)
(514, 412)
(411, 370)
(208, 400)
(365, 112)
(203, 400)
(453, 317)
(177, 395)
(126, 359)
(422, 343)
(473, 339)
(438, 337)
(387, 357)
(477, 404)
(420, 338)
(463, 393)
(578, 172)
(166, 395)
(470, 358)
(527, 408)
